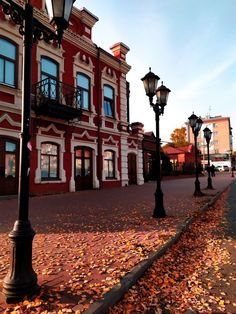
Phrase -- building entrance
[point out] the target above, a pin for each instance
(9, 166)
(132, 168)
(83, 168)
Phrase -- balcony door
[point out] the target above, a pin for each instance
(83, 168)
(9, 166)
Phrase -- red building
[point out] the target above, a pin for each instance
(182, 158)
(80, 136)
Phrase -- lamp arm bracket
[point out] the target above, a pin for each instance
(15, 11)
(158, 109)
(17, 14)
(42, 32)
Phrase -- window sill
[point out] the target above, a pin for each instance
(109, 118)
(50, 181)
(8, 87)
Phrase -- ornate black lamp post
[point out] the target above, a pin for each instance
(207, 135)
(150, 84)
(196, 124)
(21, 279)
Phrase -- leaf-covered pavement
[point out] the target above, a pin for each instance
(82, 248)
(192, 275)
(78, 267)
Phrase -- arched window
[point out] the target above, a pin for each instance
(108, 102)
(109, 164)
(49, 161)
(49, 76)
(8, 68)
(83, 83)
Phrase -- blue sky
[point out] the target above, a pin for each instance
(189, 44)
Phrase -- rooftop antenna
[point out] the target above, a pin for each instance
(209, 113)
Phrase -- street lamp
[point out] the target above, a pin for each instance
(207, 135)
(21, 279)
(196, 124)
(150, 81)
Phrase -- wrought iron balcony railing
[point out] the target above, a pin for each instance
(57, 99)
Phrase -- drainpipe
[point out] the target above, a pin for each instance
(99, 143)
(128, 99)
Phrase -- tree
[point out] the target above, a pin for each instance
(178, 137)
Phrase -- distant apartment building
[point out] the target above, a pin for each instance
(221, 144)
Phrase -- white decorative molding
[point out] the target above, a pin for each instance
(87, 30)
(83, 135)
(110, 139)
(6, 117)
(140, 178)
(81, 60)
(51, 127)
(132, 143)
(10, 133)
(109, 75)
(124, 161)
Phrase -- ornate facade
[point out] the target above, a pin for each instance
(80, 135)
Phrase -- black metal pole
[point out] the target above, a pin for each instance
(159, 211)
(232, 166)
(197, 191)
(209, 180)
(21, 279)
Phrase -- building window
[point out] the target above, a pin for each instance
(49, 161)
(108, 103)
(10, 159)
(49, 76)
(109, 164)
(83, 83)
(7, 62)
(215, 125)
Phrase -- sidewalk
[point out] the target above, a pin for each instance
(87, 241)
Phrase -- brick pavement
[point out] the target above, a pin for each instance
(87, 241)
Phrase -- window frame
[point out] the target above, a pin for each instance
(48, 75)
(109, 161)
(49, 178)
(82, 89)
(109, 100)
(14, 61)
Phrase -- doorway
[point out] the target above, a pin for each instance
(9, 166)
(132, 168)
(83, 168)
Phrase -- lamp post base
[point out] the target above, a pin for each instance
(21, 280)
(209, 184)
(159, 211)
(197, 191)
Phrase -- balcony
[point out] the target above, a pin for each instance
(56, 99)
